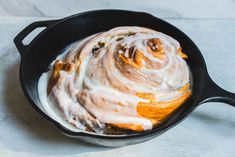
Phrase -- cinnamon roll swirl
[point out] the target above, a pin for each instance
(128, 78)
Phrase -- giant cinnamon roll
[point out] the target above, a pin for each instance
(129, 78)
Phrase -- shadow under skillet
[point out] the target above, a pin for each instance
(24, 129)
(216, 117)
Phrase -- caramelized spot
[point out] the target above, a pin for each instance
(155, 44)
(127, 60)
(120, 104)
(68, 67)
(148, 96)
(182, 55)
(134, 127)
(184, 88)
(114, 130)
(159, 55)
(135, 57)
(158, 111)
(58, 66)
(138, 57)
(156, 47)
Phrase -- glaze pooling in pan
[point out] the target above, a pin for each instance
(128, 77)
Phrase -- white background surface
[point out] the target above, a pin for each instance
(162, 8)
(208, 131)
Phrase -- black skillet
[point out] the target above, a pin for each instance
(36, 57)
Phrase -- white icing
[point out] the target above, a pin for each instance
(92, 99)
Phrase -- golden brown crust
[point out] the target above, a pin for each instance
(158, 111)
(58, 66)
(183, 55)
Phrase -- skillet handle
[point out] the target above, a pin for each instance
(26, 31)
(213, 93)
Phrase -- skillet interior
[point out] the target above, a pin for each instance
(49, 43)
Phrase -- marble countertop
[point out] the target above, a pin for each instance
(208, 131)
(162, 8)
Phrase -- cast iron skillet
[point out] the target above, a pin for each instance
(43, 49)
